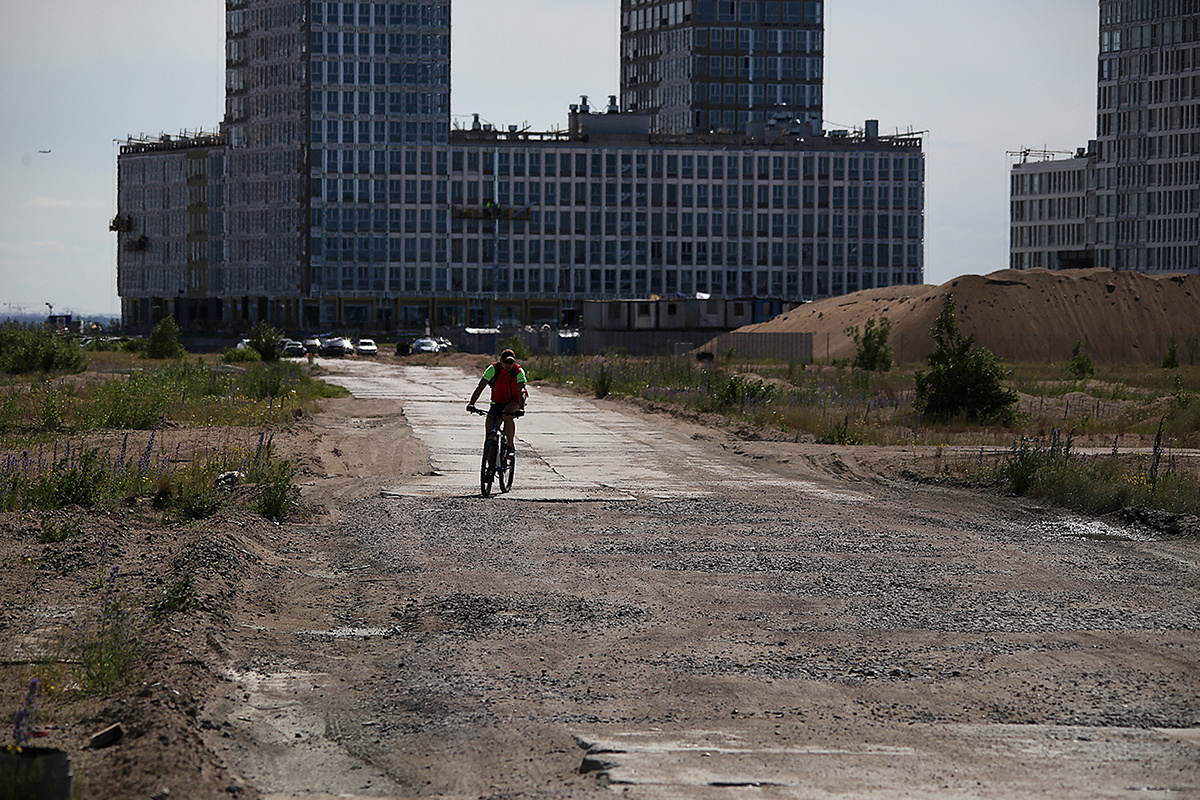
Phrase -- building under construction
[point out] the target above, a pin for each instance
(337, 194)
(1130, 200)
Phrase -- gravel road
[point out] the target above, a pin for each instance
(660, 611)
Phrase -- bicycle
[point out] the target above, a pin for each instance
(499, 456)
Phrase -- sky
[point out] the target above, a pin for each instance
(980, 79)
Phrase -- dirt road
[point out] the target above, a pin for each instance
(659, 610)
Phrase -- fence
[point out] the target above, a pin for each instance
(790, 347)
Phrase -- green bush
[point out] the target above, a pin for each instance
(164, 340)
(962, 381)
(1081, 365)
(25, 348)
(241, 355)
(265, 339)
(871, 349)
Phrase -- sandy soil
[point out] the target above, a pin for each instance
(826, 614)
(1021, 316)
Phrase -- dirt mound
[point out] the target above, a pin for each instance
(1035, 315)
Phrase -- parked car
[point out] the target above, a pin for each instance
(293, 349)
(366, 347)
(312, 345)
(334, 346)
(425, 346)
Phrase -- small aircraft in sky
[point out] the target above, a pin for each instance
(43, 151)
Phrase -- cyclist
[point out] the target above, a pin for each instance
(507, 379)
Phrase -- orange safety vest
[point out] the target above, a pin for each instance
(505, 386)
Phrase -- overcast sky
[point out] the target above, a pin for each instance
(980, 78)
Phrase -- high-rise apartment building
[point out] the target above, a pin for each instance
(722, 65)
(337, 194)
(1140, 188)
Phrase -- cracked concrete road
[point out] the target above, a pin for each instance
(658, 611)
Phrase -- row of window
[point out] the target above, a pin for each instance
(407, 130)
(770, 12)
(379, 103)
(807, 283)
(486, 252)
(657, 166)
(381, 73)
(1159, 34)
(770, 95)
(333, 43)
(377, 14)
(771, 67)
(756, 40)
(596, 196)
(626, 225)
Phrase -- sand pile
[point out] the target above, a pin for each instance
(1036, 315)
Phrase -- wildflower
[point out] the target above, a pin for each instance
(23, 724)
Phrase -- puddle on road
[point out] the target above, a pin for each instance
(1093, 530)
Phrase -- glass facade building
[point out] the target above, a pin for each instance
(346, 199)
(722, 65)
(1137, 191)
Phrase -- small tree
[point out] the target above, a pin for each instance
(871, 349)
(962, 380)
(1171, 359)
(517, 345)
(1081, 364)
(265, 339)
(164, 340)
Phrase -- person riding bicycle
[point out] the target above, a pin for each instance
(507, 379)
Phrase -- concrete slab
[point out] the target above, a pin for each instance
(568, 449)
(991, 761)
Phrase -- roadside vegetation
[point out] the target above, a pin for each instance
(1094, 437)
(95, 444)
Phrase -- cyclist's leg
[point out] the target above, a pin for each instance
(495, 410)
(510, 423)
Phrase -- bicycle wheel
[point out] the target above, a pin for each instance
(487, 469)
(509, 456)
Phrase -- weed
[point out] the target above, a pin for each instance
(839, 433)
(109, 649)
(178, 597)
(602, 383)
(23, 726)
(274, 489)
(52, 532)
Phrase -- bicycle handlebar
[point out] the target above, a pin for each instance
(483, 413)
